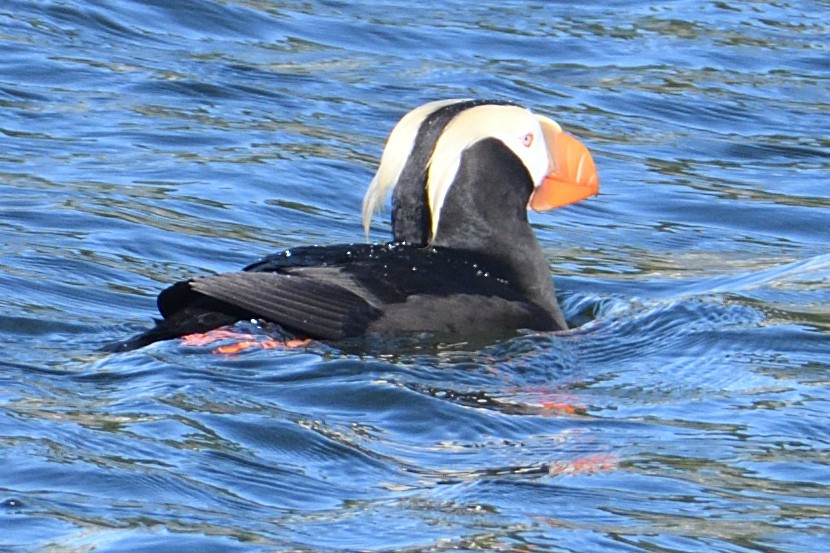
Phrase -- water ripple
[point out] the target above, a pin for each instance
(144, 142)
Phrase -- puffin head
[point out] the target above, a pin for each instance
(425, 150)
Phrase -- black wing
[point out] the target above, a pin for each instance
(337, 292)
(310, 306)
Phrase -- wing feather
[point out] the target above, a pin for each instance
(319, 309)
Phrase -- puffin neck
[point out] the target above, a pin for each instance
(486, 205)
(485, 212)
(411, 220)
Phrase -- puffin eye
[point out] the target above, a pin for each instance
(527, 140)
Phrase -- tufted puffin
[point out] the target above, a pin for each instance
(464, 263)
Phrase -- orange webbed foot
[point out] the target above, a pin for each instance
(241, 341)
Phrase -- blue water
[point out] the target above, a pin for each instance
(145, 142)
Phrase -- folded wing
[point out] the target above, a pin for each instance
(304, 304)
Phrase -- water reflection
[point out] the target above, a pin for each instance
(145, 142)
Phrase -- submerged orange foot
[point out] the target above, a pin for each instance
(242, 341)
(287, 344)
(211, 336)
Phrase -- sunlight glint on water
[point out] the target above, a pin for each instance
(142, 143)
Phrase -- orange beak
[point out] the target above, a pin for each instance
(572, 176)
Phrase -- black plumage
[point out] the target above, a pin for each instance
(411, 217)
(479, 273)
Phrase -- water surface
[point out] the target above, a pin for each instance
(144, 142)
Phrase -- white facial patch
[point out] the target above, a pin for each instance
(518, 128)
